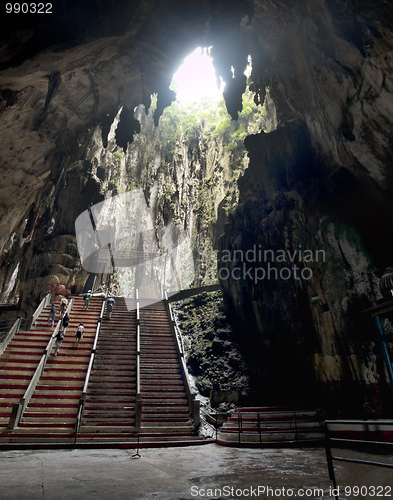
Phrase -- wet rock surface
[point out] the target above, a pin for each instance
(298, 272)
(213, 356)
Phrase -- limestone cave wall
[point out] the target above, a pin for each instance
(187, 167)
(321, 181)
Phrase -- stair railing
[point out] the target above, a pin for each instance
(193, 403)
(10, 335)
(19, 408)
(138, 396)
(349, 443)
(213, 415)
(318, 416)
(82, 399)
(44, 302)
(296, 430)
(52, 340)
(204, 417)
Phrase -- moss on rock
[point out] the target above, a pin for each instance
(212, 355)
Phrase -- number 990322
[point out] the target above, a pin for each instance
(28, 8)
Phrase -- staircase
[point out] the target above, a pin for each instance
(17, 366)
(272, 427)
(109, 414)
(109, 418)
(51, 413)
(165, 410)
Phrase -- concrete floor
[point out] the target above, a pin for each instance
(184, 474)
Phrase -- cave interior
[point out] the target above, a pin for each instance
(318, 180)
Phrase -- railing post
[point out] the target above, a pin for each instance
(138, 396)
(10, 335)
(193, 408)
(15, 415)
(195, 411)
(44, 302)
(138, 412)
(329, 458)
(82, 399)
(296, 431)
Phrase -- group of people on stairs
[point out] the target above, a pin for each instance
(65, 319)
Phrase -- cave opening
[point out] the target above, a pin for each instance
(187, 163)
(196, 78)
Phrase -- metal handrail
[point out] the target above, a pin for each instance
(82, 399)
(53, 338)
(138, 395)
(10, 335)
(176, 327)
(44, 302)
(214, 427)
(193, 403)
(296, 430)
(294, 420)
(362, 422)
(259, 428)
(328, 448)
(138, 345)
(4, 324)
(19, 408)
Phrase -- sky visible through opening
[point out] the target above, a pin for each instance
(196, 78)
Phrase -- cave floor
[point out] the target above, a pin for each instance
(208, 471)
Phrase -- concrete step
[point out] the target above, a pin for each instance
(125, 425)
(24, 430)
(13, 393)
(113, 378)
(71, 376)
(39, 412)
(9, 401)
(16, 374)
(73, 385)
(105, 402)
(149, 426)
(273, 425)
(56, 393)
(32, 438)
(50, 404)
(29, 351)
(269, 438)
(107, 408)
(62, 424)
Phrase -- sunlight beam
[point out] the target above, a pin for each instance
(196, 79)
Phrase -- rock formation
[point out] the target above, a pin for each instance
(321, 181)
